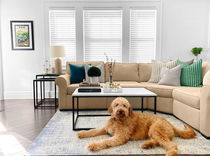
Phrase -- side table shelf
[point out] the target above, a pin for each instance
(40, 100)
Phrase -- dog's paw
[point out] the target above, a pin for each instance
(171, 153)
(93, 147)
(146, 146)
(81, 134)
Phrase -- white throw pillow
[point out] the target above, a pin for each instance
(100, 66)
(156, 69)
(170, 76)
(206, 79)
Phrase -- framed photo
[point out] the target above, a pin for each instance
(22, 36)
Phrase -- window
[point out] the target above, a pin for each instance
(142, 35)
(62, 31)
(102, 34)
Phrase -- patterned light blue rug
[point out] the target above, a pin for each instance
(58, 138)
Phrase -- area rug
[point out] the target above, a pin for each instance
(58, 138)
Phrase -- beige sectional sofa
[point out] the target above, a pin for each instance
(190, 104)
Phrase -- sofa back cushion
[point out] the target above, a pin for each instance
(124, 72)
(93, 63)
(145, 70)
(205, 68)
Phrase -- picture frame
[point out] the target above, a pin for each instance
(22, 35)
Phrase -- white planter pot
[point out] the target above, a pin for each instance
(94, 79)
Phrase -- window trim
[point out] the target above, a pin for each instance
(79, 5)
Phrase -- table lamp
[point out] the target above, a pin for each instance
(57, 52)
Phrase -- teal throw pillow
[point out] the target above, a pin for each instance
(77, 73)
(191, 75)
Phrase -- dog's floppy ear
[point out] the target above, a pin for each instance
(110, 110)
(130, 111)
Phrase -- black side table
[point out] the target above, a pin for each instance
(42, 101)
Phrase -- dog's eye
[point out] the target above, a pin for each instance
(125, 106)
(116, 105)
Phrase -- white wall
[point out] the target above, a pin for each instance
(184, 25)
(1, 70)
(20, 67)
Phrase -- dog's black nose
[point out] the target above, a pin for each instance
(121, 112)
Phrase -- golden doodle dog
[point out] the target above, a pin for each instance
(125, 125)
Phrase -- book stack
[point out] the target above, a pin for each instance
(89, 87)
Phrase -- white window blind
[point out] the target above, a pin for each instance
(102, 34)
(62, 31)
(142, 35)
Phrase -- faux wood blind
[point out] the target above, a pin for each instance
(62, 31)
(102, 34)
(142, 35)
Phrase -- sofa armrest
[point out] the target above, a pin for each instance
(63, 81)
(205, 110)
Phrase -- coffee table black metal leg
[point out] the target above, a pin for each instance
(155, 104)
(142, 104)
(55, 95)
(77, 107)
(73, 113)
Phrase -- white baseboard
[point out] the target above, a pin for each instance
(24, 94)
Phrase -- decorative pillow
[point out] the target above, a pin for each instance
(100, 66)
(170, 76)
(191, 75)
(189, 62)
(156, 68)
(206, 79)
(77, 73)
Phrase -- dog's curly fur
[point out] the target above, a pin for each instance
(125, 125)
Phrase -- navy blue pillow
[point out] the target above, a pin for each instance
(77, 73)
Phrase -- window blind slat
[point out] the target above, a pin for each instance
(62, 31)
(142, 35)
(102, 34)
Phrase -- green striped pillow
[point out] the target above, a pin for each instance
(191, 75)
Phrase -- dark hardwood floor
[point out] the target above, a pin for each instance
(20, 123)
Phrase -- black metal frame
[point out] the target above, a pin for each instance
(42, 102)
(74, 119)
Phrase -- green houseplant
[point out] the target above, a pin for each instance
(94, 72)
(196, 51)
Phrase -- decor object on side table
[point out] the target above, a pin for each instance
(196, 51)
(57, 52)
(94, 73)
(22, 36)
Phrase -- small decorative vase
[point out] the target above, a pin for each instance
(94, 79)
(110, 81)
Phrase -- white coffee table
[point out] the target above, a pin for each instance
(126, 92)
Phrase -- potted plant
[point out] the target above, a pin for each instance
(94, 72)
(196, 51)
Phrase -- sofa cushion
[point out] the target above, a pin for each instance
(124, 72)
(188, 95)
(160, 90)
(145, 70)
(128, 84)
(205, 68)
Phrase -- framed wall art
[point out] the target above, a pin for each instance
(22, 36)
